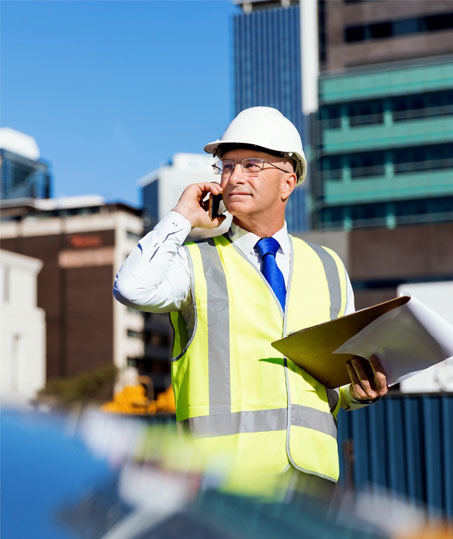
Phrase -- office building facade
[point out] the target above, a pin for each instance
(384, 135)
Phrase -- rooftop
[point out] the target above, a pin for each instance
(19, 143)
(17, 208)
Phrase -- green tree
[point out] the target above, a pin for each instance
(90, 387)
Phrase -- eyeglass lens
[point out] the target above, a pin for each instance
(249, 165)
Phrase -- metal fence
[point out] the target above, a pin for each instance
(404, 444)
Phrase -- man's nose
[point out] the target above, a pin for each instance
(237, 174)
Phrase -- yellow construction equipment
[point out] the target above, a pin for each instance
(134, 400)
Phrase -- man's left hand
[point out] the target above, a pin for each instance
(367, 384)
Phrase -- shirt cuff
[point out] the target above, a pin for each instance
(349, 403)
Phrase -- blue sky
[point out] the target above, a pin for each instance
(112, 89)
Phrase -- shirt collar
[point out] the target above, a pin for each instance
(246, 241)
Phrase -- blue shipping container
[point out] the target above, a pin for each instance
(402, 443)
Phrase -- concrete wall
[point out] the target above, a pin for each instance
(380, 259)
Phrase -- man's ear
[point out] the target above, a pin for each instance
(289, 183)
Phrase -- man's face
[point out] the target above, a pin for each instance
(261, 196)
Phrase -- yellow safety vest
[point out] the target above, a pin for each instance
(232, 388)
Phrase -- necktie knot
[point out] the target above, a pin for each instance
(267, 246)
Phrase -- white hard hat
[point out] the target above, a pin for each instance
(268, 129)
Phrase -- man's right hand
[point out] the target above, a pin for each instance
(191, 206)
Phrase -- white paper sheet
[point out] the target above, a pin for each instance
(407, 340)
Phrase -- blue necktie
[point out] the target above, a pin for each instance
(267, 248)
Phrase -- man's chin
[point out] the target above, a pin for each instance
(238, 210)
(240, 204)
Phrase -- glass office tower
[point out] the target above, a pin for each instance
(267, 72)
(22, 177)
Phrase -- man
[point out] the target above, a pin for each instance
(231, 296)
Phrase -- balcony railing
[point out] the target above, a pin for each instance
(396, 168)
(379, 117)
(384, 221)
(416, 114)
(422, 166)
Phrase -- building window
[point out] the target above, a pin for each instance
(132, 362)
(331, 116)
(366, 113)
(366, 165)
(151, 200)
(401, 27)
(427, 105)
(355, 33)
(423, 158)
(406, 26)
(332, 168)
(366, 212)
(378, 30)
(433, 23)
(133, 236)
(332, 217)
(134, 334)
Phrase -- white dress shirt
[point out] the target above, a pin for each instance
(155, 277)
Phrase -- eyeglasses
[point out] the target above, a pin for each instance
(251, 166)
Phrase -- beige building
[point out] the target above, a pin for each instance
(22, 328)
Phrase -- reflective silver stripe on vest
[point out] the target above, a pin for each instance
(304, 416)
(261, 421)
(237, 422)
(333, 279)
(218, 329)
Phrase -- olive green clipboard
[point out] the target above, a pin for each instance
(313, 348)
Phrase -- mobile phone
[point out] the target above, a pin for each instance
(216, 206)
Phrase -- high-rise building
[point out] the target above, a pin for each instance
(271, 69)
(384, 137)
(23, 174)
